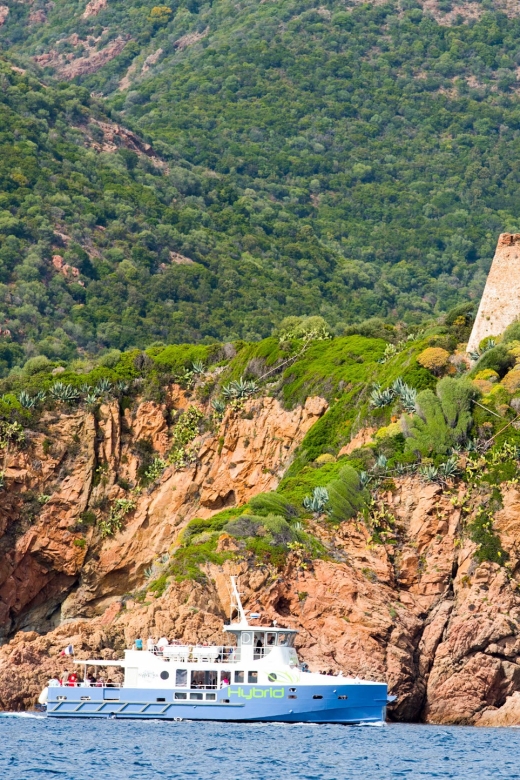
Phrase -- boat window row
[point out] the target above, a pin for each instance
(181, 696)
(210, 679)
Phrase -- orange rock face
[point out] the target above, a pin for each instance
(409, 604)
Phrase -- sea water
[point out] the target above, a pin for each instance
(34, 747)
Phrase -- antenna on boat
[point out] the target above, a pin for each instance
(236, 604)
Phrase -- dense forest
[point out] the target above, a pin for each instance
(348, 161)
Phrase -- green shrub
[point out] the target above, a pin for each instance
(110, 359)
(244, 526)
(443, 419)
(482, 533)
(36, 364)
(272, 503)
(497, 358)
(512, 332)
(346, 495)
(463, 310)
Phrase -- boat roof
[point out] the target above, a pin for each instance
(234, 627)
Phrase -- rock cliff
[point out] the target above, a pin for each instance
(401, 599)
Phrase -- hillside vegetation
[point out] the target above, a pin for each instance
(420, 407)
(351, 161)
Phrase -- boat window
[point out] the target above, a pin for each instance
(196, 696)
(181, 678)
(204, 679)
(239, 677)
(317, 697)
(252, 677)
(161, 699)
(342, 697)
(282, 640)
(164, 675)
(272, 677)
(292, 696)
(271, 639)
(245, 638)
(181, 695)
(211, 696)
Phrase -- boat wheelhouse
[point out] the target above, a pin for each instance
(256, 677)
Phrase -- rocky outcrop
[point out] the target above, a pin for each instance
(69, 67)
(94, 7)
(398, 597)
(52, 569)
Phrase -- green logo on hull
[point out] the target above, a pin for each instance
(258, 693)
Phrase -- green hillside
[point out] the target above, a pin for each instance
(311, 158)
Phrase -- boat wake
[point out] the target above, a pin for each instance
(32, 715)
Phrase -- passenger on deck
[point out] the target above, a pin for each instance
(64, 676)
(138, 644)
(225, 682)
(100, 682)
(150, 644)
(162, 643)
(110, 684)
(72, 679)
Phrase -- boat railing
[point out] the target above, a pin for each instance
(85, 684)
(198, 653)
(261, 652)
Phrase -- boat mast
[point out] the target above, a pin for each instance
(236, 604)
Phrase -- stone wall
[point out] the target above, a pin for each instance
(500, 303)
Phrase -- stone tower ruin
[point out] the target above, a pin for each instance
(500, 302)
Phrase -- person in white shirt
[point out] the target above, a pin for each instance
(162, 643)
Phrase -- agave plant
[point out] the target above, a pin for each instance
(239, 388)
(91, 399)
(381, 462)
(408, 398)
(63, 392)
(406, 394)
(26, 401)
(219, 406)
(449, 468)
(122, 386)
(40, 396)
(380, 398)
(103, 386)
(364, 478)
(198, 367)
(317, 501)
(86, 389)
(429, 473)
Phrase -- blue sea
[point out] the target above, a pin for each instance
(33, 747)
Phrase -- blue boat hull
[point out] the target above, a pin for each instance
(346, 703)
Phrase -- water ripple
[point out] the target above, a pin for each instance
(37, 748)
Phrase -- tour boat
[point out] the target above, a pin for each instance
(257, 678)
